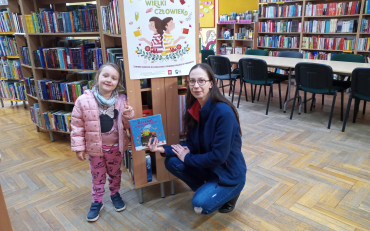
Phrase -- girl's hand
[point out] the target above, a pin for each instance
(81, 155)
(181, 151)
(127, 110)
(153, 145)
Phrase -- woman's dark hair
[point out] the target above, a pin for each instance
(165, 21)
(158, 25)
(215, 95)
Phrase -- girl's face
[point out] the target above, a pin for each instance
(197, 77)
(152, 26)
(108, 80)
(170, 25)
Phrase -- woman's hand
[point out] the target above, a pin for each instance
(81, 155)
(153, 145)
(181, 151)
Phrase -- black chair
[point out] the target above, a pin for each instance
(316, 79)
(205, 54)
(257, 52)
(284, 77)
(343, 81)
(254, 72)
(221, 66)
(360, 90)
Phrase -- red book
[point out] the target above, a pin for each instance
(74, 96)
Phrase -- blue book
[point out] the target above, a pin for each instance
(142, 129)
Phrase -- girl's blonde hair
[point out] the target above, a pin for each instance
(120, 86)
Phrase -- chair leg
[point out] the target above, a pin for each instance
(364, 108)
(295, 97)
(245, 90)
(313, 101)
(241, 91)
(254, 94)
(305, 101)
(259, 93)
(355, 111)
(322, 99)
(332, 109)
(347, 113)
(268, 100)
(341, 104)
(232, 97)
(230, 85)
(281, 105)
(222, 85)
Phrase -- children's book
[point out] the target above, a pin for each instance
(142, 129)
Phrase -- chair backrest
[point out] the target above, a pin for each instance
(291, 54)
(348, 58)
(257, 52)
(361, 83)
(219, 64)
(205, 54)
(253, 69)
(314, 77)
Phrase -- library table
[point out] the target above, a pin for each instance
(339, 67)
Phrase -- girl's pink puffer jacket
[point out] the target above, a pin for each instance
(85, 124)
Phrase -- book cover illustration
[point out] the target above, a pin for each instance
(142, 129)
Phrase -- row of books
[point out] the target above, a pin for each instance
(8, 46)
(365, 26)
(128, 163)
(30, 86)
(332, 9)
(321, 43)
(6, 23)
(25, 55)
(49, 21)
(12, 89)
(87, 56)
(321, 55)
(11, 69)
(280, 26)
(110, 19)
(367, 7)
(62, 91)
(36, 115)
(278, 41)
(272, 1)
(330, 26)
(244, 33)
(57, 120)
(363, 44)
(18, 22)
(280, 11)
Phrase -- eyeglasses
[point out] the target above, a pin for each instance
(200, 82)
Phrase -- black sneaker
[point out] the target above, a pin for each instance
(229, 206)
(118, 203)
(95, 208)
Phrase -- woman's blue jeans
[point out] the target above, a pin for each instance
(209, 195)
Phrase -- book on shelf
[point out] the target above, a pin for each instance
(110, 20)
(142, 129)
(12, 89)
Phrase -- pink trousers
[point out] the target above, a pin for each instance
(100, 166)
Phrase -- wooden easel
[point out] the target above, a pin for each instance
(164, 102)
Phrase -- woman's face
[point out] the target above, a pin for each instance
(152, 26)
(197, 76)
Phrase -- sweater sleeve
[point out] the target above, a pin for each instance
(221, 144)
(77, 128)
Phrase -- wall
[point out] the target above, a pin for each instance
(238, 6)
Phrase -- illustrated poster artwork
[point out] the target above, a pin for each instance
(160, 37)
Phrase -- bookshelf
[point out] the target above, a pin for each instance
(234, 37)
(11, 78)
(315, 28)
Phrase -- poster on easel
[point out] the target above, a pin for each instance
(160, 37)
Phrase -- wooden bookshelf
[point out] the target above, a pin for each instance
(304, 17)
(235, 41)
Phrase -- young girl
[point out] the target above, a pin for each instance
(99, 122)
(155, 25)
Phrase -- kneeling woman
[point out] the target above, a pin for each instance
(210, 162)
